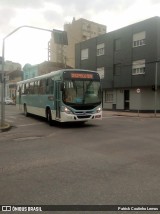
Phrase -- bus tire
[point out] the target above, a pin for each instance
(25, 111)
(49, 116)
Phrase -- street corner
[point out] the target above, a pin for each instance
(5, 127)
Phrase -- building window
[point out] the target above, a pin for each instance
(139, 39)
(84, 54)
(138, 67)
(108, 97)
(100, 49)
(117, 44)
(100, 71)
(117, 69)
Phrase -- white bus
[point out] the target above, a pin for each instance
(69, 95)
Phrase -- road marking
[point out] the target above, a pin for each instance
(112, 116)
(28, 138)
(31, 124)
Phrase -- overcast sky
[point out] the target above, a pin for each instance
(30, 46)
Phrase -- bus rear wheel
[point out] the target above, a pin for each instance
(49, 116)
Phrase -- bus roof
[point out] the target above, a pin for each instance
(52, 74)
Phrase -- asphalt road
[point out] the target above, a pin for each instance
(110, 162)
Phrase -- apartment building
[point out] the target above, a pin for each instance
(56, 52)
(128, 61)
(13, 74)
(77, 31)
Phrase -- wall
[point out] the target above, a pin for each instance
(145, 100)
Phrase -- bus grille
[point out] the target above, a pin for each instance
(82, 112)
(84, 107)
(83, 116)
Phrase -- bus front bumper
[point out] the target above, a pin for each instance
(75, 118)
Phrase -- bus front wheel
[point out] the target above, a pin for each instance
(49, 116)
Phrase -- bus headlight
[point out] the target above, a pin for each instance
(66, 110)
(99, 110)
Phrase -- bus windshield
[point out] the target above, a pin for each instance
(82, 92)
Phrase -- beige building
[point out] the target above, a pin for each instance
(77, 31)
(13, 74)
(48, 66)
(56, 52)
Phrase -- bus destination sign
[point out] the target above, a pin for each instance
(81, 76)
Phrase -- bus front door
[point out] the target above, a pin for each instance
(58, 100)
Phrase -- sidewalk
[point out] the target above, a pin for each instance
(130, 114)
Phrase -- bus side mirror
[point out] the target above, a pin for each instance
(62, 86)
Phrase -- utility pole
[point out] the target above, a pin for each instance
(2, 87)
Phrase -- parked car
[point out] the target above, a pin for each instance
(9, 101)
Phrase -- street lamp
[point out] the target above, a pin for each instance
(63, 39)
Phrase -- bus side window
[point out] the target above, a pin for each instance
(49, 86)
(24, 89)
(27, 88)
(19, 91)
(36, 87)
(42, 87)
(31, 88)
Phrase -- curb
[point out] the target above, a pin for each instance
(5, 128)
(141, 115)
